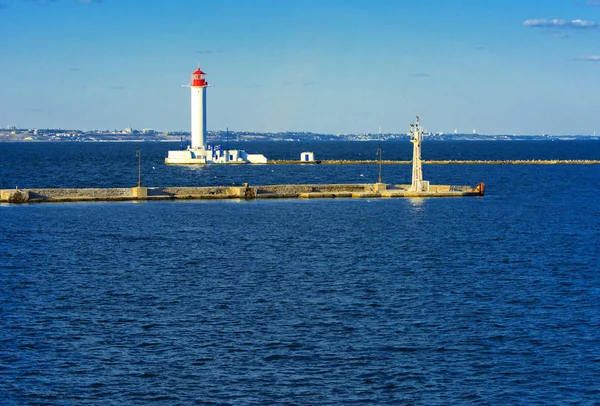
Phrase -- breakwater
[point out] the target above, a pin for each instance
(442, 162)
(247, 192)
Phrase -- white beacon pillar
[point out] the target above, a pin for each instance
(417, 171)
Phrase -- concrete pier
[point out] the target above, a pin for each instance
(441, 162)
(247, 192)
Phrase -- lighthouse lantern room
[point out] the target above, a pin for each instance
(198, 79)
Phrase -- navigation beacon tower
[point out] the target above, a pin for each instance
(199, 152)
(416, 136)
(198, 87)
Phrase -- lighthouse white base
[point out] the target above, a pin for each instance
(187, 157)
(210, 155)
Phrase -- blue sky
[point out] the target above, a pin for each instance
(336, 66)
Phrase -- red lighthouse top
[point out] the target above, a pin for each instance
(198, 79)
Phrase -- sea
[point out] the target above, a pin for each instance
(490, 300)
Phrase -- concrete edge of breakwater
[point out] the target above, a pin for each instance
(441, 162)
(246, 192)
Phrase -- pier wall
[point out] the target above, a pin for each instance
(297, 189)
(64, 194)
(231, 192)
(80, 194)
(217, 192)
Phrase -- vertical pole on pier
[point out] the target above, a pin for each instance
(139, 157)
(227, 144)
(380, 153)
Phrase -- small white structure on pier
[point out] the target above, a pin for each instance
(307, 156)
(416, 136)
(199, 152)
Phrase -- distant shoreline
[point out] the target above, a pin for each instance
(13, 134)
(220, 141)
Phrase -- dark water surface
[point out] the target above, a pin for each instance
(492, 300)
(38, 165)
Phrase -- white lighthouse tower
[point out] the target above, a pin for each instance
(198, 87)
(199, 152)
(416, 136)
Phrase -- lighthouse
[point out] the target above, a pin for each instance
(198, 87)
(416, 136)
(199, 152)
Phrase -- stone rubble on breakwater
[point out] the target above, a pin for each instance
(308, 191)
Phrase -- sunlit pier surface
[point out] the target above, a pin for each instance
(245, 192)
(441, 162)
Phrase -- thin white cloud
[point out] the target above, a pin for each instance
(589, 58)
(582, 24)
(558, 23)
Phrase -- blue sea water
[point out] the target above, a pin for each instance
(492, 300)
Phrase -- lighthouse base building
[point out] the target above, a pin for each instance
(213, 155)
(199, 152)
